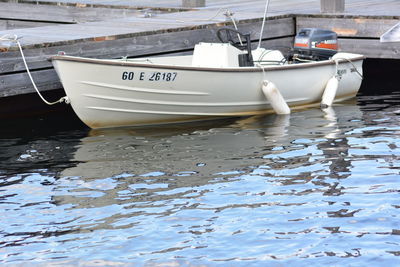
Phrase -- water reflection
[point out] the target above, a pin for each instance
(134, 166)
(268, 189)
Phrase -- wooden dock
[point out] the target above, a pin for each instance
(117, 28)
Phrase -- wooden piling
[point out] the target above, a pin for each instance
(332, 6)
(193, 3)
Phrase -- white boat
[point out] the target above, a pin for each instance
(213, 82)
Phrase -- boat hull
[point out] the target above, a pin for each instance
(113, 93)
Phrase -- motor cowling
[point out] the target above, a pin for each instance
(315, 44)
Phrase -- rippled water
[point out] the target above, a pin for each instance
(314, 187)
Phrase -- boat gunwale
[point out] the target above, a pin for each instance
(114, 62)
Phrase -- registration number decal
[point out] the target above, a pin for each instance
(149, 76)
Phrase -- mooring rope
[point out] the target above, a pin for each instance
(15, 40)
(262, 68)
(229, 14)
(351, 62)
(263, 23)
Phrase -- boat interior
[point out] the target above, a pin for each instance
(233, 51)
(216, 55)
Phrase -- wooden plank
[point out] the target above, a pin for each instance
(171, 4)
(19, 83)
(370, 48)
(65, 14)
(356, 7)
(373, 8)
(283, 44)
(6, 24)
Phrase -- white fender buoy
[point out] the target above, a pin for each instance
(275, 98)
(329, 92)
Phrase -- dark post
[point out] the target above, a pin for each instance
(332, 6)
(193, 3)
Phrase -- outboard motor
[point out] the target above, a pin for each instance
(314, 44)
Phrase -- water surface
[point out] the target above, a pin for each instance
(315, 187)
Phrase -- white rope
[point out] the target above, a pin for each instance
(15, 40)
(216, 14)
(355, 68)
(263, 23)
(337, 69)
(229, 14)
(209, 19)
(262, 68)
